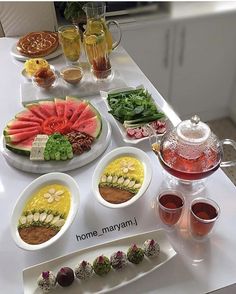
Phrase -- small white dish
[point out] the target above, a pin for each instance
(118, 152)
(46, 179)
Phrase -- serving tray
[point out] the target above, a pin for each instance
(114, 279)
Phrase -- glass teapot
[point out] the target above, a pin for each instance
(191, 151)
(95, 12)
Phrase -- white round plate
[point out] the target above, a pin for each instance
(15, 53)
(44, 180)
(118, 152)
(24, 163)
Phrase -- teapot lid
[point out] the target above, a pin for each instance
(193, 131)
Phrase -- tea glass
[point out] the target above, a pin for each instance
(69, 37)
(170, 206)
(203, 214)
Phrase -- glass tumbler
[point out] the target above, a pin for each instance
(69, 37)
(203, 214)
(170, 206)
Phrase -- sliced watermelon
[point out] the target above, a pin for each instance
(19, 124)
(91, 126)
(20, 136)
(49, 107)
(27, 115)
(80, 108)
(10, 131)
(71, 105)
(37, 110)
(88, 112)
(60, 106)
(22, 148)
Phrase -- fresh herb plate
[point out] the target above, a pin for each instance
(120, 126)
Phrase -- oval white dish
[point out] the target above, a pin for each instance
(114, 280)
(46, 179)
(118, 152)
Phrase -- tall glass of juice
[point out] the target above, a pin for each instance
(69, 37)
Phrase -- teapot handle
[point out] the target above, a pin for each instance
(233, 144)
(110, 22)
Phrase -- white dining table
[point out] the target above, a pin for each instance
(198, 267)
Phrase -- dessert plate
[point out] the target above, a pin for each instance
(119, 125)
(16, 54)
(113, 280)
(25, 164)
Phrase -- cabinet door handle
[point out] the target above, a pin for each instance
(182, 46)
(167, 46)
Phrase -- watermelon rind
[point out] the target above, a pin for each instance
(21, 148)
(27, 115)
(18, 150)
(11, 131)
(19, 124)
(36, 109)
(20, 136)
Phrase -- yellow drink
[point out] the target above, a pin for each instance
(94, 25)
(70, 41)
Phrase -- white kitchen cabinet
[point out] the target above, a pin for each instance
(191, 62)
(151, 46)
(204, 66)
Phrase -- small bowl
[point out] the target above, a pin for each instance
(38, 183)
(46, 79)
(72, 74)
(108, 158)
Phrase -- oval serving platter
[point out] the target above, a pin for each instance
(113, 280)
(59, 178)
